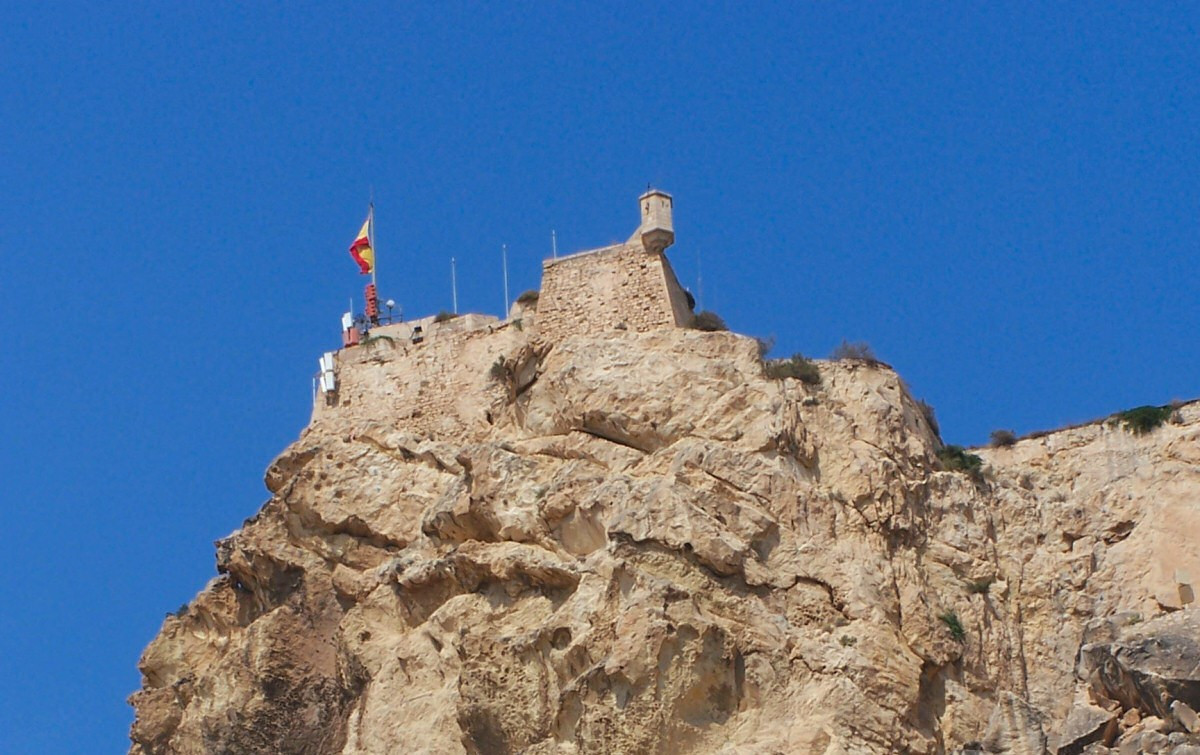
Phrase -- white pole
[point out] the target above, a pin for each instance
(454, 283)
(371, 236)
(554, 244)
(504, 258)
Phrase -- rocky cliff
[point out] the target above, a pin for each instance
(639, 543)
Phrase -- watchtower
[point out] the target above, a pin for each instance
(657, 232)
(624, 287)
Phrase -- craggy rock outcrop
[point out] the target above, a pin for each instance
(639, 544)
(1151, 670)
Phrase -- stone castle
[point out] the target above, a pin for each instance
(585, 530)
(626, 287)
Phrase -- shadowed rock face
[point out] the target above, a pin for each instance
(1152, 667)
(639, 544)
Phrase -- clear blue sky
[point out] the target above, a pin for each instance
(1004, 204)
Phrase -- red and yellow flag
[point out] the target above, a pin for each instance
(362, 250)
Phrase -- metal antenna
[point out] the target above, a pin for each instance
(504, 259)
(553, 244)
(454, 283)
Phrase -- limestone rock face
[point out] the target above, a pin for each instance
(638, 543)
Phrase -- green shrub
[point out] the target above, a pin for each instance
(709, 322)
(950, 619)
(443, 316)
(848, 640)
(1145, 419)
(857, 350)
(1003, 438)
(956, 459)
(796, 366)
(528, 297)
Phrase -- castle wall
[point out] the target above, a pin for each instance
(679, 303)
(438, 389)
(620, 286)
(441, 388)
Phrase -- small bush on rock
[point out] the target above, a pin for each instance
(1145, 419)
(857, 350)
(950, 619)
(796, 366)
(444, 316)
(528, 297)
(956, 459)
(1003, 438)
(709, 322)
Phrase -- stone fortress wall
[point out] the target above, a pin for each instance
(626, 286)
(439, 386)
(617, 287)
(437, 389)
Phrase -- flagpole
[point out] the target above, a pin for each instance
(371, 235)
(504, 261)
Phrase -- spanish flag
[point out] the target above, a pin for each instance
(362, 250)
